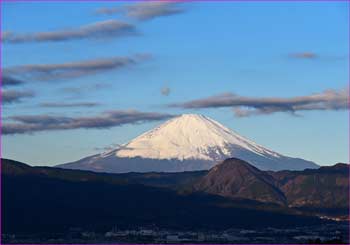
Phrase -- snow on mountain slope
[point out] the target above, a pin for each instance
(186, 143)
(190, 136)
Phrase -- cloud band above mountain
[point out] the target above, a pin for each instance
(27, 124)
(248, 106)
(149, 10)
(7, 81)
(304, 55)
(144, 11)
(14, 96)
(67, 105)
(102, 29)
(75, 69)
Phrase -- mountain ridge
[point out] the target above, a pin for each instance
(62, 198)
(325, 187)
(322, 188)
(235, 178)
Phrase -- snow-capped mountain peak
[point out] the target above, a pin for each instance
(186, 143)
(190, 136)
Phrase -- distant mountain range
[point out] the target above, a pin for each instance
(232, 194)
(186, 143)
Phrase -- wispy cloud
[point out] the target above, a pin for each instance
(247, 106)
(85, 88)
(108, 148)
(102, 29)
(165, 91)
(66, 105)
(15, 96)
(27, 124)
(146, 10)
(150, 10)
(75, 69)
(304, 55)
(108, 10)
(10, 81)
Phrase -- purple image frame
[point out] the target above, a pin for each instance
(260, 1)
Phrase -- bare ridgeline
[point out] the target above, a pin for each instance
(190, 180)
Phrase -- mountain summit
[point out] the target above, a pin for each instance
(235, 178)
(191, 136)
(186, 143)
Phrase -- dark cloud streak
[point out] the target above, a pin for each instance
(28, 124)
(67, 105)
(102, 29)
(75, 69)
(10, 81)
(147, 10)
(248, 106)
(14, 96)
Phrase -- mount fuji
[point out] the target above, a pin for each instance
(186, 143)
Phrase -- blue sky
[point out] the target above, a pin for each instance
(202, 49)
